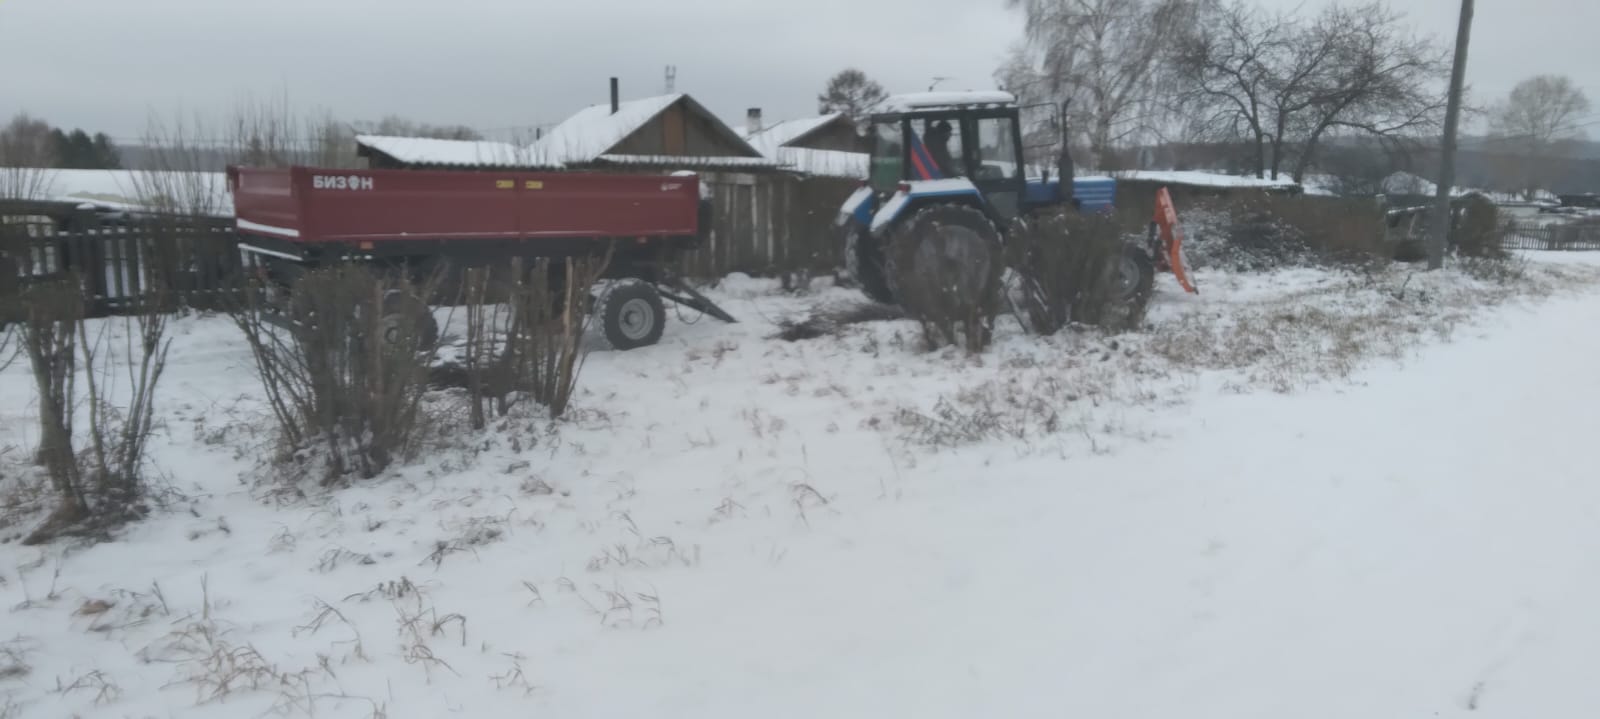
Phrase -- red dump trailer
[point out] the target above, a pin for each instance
(299, 217)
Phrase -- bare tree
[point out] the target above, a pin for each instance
(851, 92)
(1226, 59)
(1533, 122)
(1102, 55)
(1286, 84)
(26, 154)
(1382, 82)
(397, 126)
(177, 179)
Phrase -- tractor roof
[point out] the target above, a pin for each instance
(925, 101)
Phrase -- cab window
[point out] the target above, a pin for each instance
(942, 139)
(888, 156)
(997, 153)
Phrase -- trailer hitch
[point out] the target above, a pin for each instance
(674, 288)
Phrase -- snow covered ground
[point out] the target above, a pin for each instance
(1299, 494)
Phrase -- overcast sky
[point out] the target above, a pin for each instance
(105, 65)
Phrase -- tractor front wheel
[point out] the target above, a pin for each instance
(1135, 275)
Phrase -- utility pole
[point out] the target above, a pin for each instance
(1439, 236)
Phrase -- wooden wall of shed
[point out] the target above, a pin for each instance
(676, 131)
(767, 224)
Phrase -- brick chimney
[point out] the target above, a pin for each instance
(752, 121)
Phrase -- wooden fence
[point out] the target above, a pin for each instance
(183, 263)
(765, 224)
(1573, 236)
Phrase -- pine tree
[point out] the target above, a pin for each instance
(82, 146)
(852, 93)
(106, 155)
(61, 148)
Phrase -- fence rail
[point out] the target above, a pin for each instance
(1575, 236)
(770, 223)
(180, 263)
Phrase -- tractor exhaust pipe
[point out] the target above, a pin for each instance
(1064, 166)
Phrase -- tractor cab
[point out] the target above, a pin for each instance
(948, 164)
(967, 148)
(973, 137)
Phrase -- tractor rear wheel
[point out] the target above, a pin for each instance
(946, 257)
(865, 262)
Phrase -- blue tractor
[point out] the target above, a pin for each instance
(948, 183)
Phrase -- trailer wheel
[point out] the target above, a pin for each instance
(406, 313)
(632, 315)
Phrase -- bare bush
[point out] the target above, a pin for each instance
(1066, 264)
(946, 267)
(831, 321)
(120, 427)
(1499, 269)
(1257, 232)
(1478, 231)
(52, 312)
(104, 486)
(549, 308)
(343, 362)
(481, 340)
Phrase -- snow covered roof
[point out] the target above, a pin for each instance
(1194, 178)
(824, 163)
(453, 153)
(773, 142)
(593, 130)
(688, 161)
(936, 100)
(771, 138)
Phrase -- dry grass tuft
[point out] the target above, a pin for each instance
(828, 322)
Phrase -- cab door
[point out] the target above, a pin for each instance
(994, 154)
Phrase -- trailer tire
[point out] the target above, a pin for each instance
(632, 315)
(404, 312)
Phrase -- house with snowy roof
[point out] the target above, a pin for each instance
(822, 146)
(653, 134)
(666, 132)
